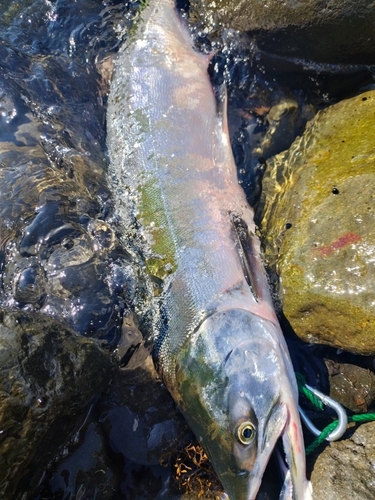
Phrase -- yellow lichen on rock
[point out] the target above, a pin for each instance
(319, 226)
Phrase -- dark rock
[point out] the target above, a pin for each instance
(327, 32)
(352, 386)
(49, 377)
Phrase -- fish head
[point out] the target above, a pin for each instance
(238, 393)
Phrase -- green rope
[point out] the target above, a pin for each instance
(363, 417)
(322, 436)
(307, 393)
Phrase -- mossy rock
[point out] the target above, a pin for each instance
(319, 226)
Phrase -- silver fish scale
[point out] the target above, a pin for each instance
(170, 145)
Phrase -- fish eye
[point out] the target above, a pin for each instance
(246, 433)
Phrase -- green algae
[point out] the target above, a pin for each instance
(137, 21)
(141, 118)
(9, 11)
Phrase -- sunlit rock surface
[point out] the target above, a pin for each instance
(49, 376)
(340, 31)
(345, 469)
(319, 225)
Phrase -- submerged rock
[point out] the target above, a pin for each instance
(49, 377)
(338, 32)
(345, 469)
(319, 226)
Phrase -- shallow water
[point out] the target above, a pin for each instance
(60, 254)
(57, 247)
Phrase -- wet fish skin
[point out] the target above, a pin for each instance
(218, 344)
(224, 379)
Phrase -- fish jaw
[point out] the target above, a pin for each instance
(295, 486)
(236, 387)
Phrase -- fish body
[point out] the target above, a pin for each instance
(217, 343)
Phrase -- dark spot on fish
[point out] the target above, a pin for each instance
(364, 98)
(288, 225)
(227, 356)
(334, 189)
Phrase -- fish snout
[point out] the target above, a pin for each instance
(240, 396)
(263, 395)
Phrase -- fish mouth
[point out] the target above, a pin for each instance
(291, 457)
(295, 486)
(267, 448)
(246, 378)
(291, 461)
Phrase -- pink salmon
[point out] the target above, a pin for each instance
(217, 342)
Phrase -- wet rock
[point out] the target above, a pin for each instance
(318, 224)
(82, 470)
(284, 120)
(263, 121)
(143, 428)
(336, 32)
(140, 418)
(129, 446)
(345, 469)
(351, 385)
(49, 377)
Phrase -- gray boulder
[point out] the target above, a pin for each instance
(345, 469)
